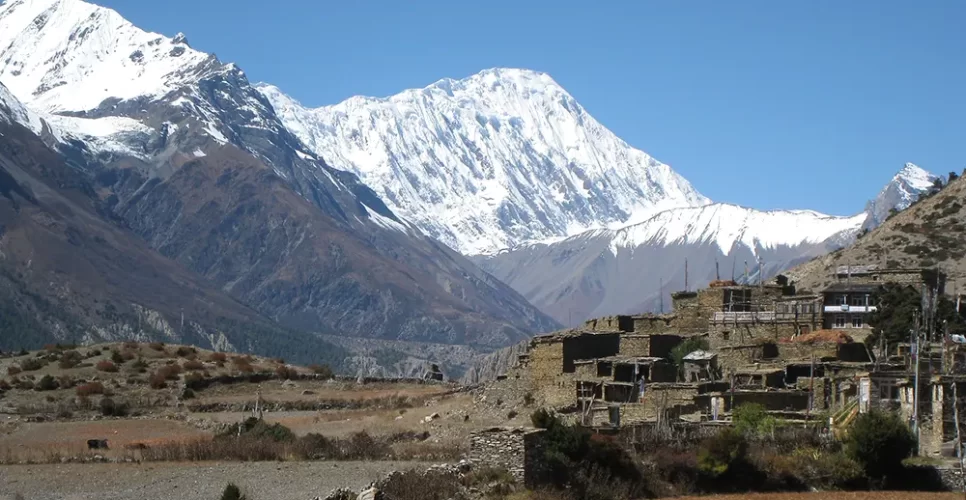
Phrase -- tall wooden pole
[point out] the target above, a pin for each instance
(959, 440)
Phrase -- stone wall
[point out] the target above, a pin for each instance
(551, 386)
(515, 449)
(655, 323)
(771, 400)
(634, 344)
(676, 399)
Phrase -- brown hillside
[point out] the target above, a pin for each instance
(930, 233)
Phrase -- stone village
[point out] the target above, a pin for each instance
(801, 356)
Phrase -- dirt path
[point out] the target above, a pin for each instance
(194, 481)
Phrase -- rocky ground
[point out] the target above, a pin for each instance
(191, 481)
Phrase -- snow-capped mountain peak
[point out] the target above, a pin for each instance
(728, 225)
(902, 191)
(491, 161)
(70, 56)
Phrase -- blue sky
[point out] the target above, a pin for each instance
(769, 104)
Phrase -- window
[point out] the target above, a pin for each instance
(857, 321)
(841, 300)
(839, 321)
(725, 335)
(737, 300)
(858, 300)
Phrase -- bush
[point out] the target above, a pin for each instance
(218, 357)
(194, 381)
(183, 352)
(13, 370)
(116, 357)
(139, 366)
(90, 389)
(257, 428)
(286, 372)
(31, 364)
(722, 451)
(362, 446)
(47, 383)
(511, 414)
(65, 381)
(157, 380)
(879, 441)
(4, 385)
(193, 365)
(111, 409)
(170, 372)
(188, 394)
(543, 419)
(751, 419)
(322, 370)
(106, 366)
(69, 359)
(232, 492)
(157, 346)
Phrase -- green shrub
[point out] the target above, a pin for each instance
(722, 451)
(232, 492)
(880, 441)
(31, 364)
(257, 428)
(543, 419)
(47, 383)
(111, 409)
(116, 357)
(751, 419)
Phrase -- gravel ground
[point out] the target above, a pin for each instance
(189, 481)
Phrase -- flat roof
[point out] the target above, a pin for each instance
(751, 370)
(852, 287)
(640, 360)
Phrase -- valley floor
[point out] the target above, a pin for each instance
(189, 481)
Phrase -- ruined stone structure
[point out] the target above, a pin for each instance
(515, 449)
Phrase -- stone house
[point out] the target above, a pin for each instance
(701, 366)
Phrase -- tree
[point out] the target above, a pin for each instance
(880, 441)
(899, 305)
(952, 176)
(689, 345)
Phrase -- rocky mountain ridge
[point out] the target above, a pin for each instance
(611, 271)
(184, 152)
(494, 160)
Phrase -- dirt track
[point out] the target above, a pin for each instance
(195, 481)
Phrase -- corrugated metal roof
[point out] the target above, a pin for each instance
(700, 356)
